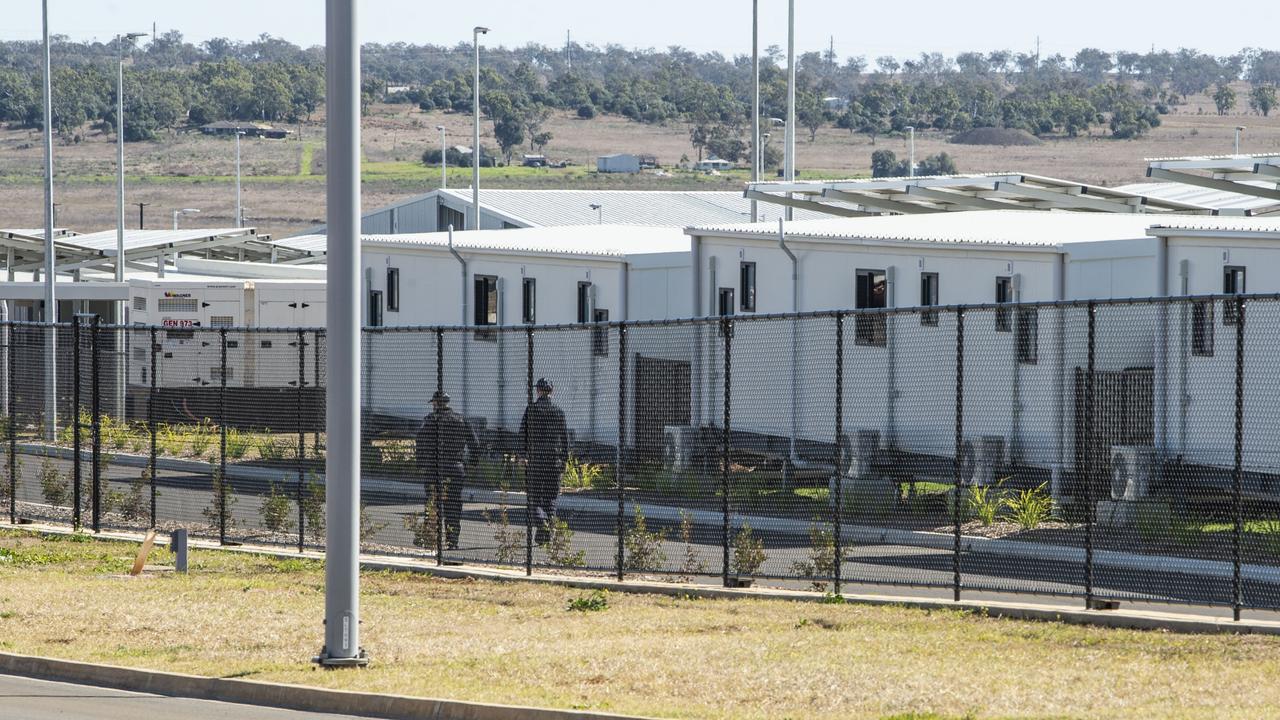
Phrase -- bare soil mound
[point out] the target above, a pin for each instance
(996, 136)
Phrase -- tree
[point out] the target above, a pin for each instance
(699, 134)
(1224, 98)
(884, 163)
(540, 140)
(809, 113)
(1262, 98)
(726, 143)
(1092, 64)
(888, 65)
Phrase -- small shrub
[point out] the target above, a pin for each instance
(135, 503)
(169, 441)
(368, 528)
(1269, 530)
(579, 475)
(266, 446)
(559, 546)
(237, 444)
(276, 511)
(223, 500)
(748, 552)
(692, 564)
(821, 563)
(53, 486)
(643, 548)
(313, 508)
(510, 541)
(985, 502)
(424, 525)
(1030, 508)
(200, 438)
(594, 601)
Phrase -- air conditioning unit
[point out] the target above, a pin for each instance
(982, 460)
(1132, 471)
(858, 453)
(680, 447)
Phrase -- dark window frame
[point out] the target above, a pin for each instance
(600, 333)
(1233, 283)
(393, 289)
(1004, 296)
(375, 308)
(484, 289)
(871, 292)
(1202, 328)
(929, 291)
(529, 301)
(747, 283)
(584, 301)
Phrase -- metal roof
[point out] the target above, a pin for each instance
(605, 241)
(1256, 175)
(93, 250)
(1226, 203)
(1046, 230)
(943, 193)
(1260, 227)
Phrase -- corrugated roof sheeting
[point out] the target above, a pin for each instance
(1217, 199)
(615, 241)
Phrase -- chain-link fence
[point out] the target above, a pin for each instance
(1117, 450)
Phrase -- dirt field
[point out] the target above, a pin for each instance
(284, 180)
(243, 616)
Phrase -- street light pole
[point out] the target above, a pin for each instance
(183, 211)
(444, 172)
(50, 256)
(911, 157)
(755, 101)
(1239, 129)
(239, 207)
(789, 171)
(476, 32)
(342, 300)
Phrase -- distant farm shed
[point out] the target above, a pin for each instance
(230, 127)
(618, 163)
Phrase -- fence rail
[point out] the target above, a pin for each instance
(1102, 450)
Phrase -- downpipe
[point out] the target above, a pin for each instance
(792, 455)
(462, 265)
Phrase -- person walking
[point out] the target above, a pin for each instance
(546, 449)
(441, 444)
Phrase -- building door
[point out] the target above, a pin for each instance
(661, 396)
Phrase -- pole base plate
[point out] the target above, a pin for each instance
(325, 660)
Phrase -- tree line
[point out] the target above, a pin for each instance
(171, 83)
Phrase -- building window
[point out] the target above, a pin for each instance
(600, 333)
(871, 293)
(584, 302)
(929, 298)
(747, 275)
(139, 303)
(375, 308)
(446, 216)
(393, 289)
(724, 305)
(529, 301)
(1004, 295)
(485, 305)
(1202, 328)
(1028, 335)
(1232, 284)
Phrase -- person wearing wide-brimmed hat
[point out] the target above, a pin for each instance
(442, 442)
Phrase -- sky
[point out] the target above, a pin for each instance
(858, 28)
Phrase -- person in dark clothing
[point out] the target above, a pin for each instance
(546, 448)
(445, 430)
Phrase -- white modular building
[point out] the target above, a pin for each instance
(618, 163)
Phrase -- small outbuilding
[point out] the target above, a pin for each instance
(618, 163)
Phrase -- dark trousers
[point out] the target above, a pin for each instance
(544, 490)
(451, 482)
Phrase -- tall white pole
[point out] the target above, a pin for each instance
(911, 157)
(755, 101)
(239, 207)
(789, 170)
(475, 129)
(120, 166)
(50, 257)
(342, 392)
(444, 160)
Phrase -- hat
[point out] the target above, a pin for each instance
(440, 396)
(544, 385)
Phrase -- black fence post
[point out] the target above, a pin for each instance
(726, 328)
(1237, 479)
(222, 438)
(13, 437)
(77, 472)
(622, 437)
(837, 491)
(528, 501)
(151, 423)
(95, 405)
(302, 439)
(439, 482)
(957, 462)
(1091, 453)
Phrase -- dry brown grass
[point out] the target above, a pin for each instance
(242, 616)
(191, 170)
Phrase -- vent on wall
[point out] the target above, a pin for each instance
(221, 321)
(140, 303)
(184, 305)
